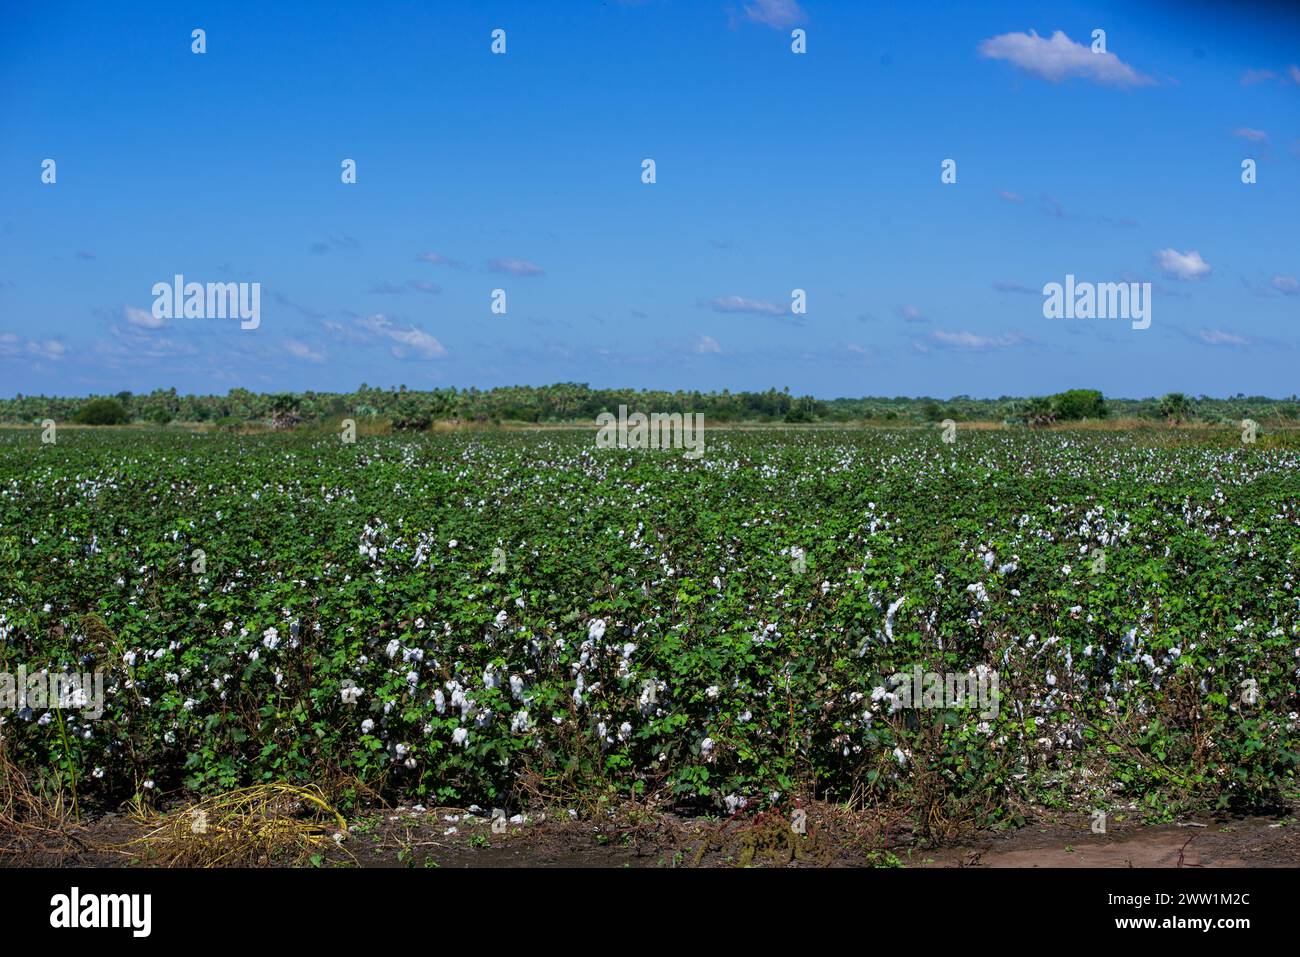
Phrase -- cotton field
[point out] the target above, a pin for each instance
(445, 617)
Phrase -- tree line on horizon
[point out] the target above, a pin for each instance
(408, 409)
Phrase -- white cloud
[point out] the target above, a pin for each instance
(777, 14)
(437, 259)
(1003, 285)
(1060, 58)
(1251, 77)
(133, 344)
(972, 341)
(515, 267)
(705, 345)
(1185, 266)
(1254, 136)
(740, 304)
(1217, 337)
(1286, 284)
(142, 318)
(13, 346)
(301, 350)
(407, 337)
(911, 313)
(1291, 73)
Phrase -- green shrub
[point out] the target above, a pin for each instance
(101, 412)
(1080, 404)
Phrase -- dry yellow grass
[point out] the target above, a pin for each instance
(264, 824)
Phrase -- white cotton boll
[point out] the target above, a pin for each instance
(596, 630)
(706, 746)
(439, 701)
(516, 686)
(367, 726)
(900, 756)
(711, 691)
(393, 648)
(460, 736)
(889, 617)
(520, 722)
(501, 619)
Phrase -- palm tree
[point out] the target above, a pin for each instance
(1175, 408)
(284, 411)
(1039, 412)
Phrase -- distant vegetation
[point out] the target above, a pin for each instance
(406, 409)
(101, 412)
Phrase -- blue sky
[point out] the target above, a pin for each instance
(775, 172)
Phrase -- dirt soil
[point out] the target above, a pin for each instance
(446, 837)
